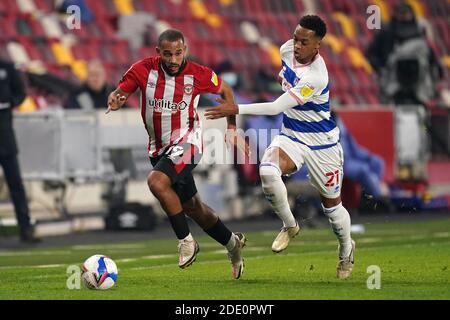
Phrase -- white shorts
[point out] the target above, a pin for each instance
(325, 166)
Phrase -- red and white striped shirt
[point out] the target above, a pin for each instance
(168, 103)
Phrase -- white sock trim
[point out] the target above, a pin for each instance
(329, 211)
(271, 164)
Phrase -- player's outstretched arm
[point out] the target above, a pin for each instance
(231, 136)
(225, 108)
(116, 100)
(226, 94)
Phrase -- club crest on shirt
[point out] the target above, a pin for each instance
(214, 79)
(306, 91)
(188, 89)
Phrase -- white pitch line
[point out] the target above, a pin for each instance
(441, 235)
(32, 253)
(164, 256)
(158, 256)
(109, 246)
(44, 266)
(173, 265)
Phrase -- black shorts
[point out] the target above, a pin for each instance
(177, 163)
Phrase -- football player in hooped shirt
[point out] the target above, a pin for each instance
(170, 86)
(308, 136)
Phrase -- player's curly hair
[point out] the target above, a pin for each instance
(314, 23)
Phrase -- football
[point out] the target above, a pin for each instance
(99, 272)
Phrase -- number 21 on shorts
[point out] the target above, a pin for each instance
(333, 178)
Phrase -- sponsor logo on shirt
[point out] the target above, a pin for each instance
(306, 91)
(160, 105)
(214, 79)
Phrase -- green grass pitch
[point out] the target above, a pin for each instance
(414, 259)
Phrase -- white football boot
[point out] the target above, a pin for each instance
(286, 234)
(345, 264)
(188, 252)
(237, 262)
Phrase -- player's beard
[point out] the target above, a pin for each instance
(180, 69)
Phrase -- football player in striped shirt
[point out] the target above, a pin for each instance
(308, 136)
(170, 88)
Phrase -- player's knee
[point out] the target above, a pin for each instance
(269, 173)
(158, 182)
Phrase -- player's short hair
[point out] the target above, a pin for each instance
(314, 23)
(170, 35)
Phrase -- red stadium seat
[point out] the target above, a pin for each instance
(9, 8)
(44, 5)
(106, 29)
(444, 27)
(274, 19)
(363, 78)
(36, 27)
(325, 6)
(102, 8)
(8, 28)
(372, 98)
(121, 51)
(33, 52)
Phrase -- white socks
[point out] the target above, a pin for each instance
(276, 193)
(340, 223)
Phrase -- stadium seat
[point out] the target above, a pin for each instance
(26, 6)
(102, 8)
(18, 53)
(8, 27)
(36, 27)
(44, 5)
(32, 51)
(343, 48)
(124, 7)
(105, 27)
(9, 8)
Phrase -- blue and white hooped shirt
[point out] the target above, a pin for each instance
(310, 121)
